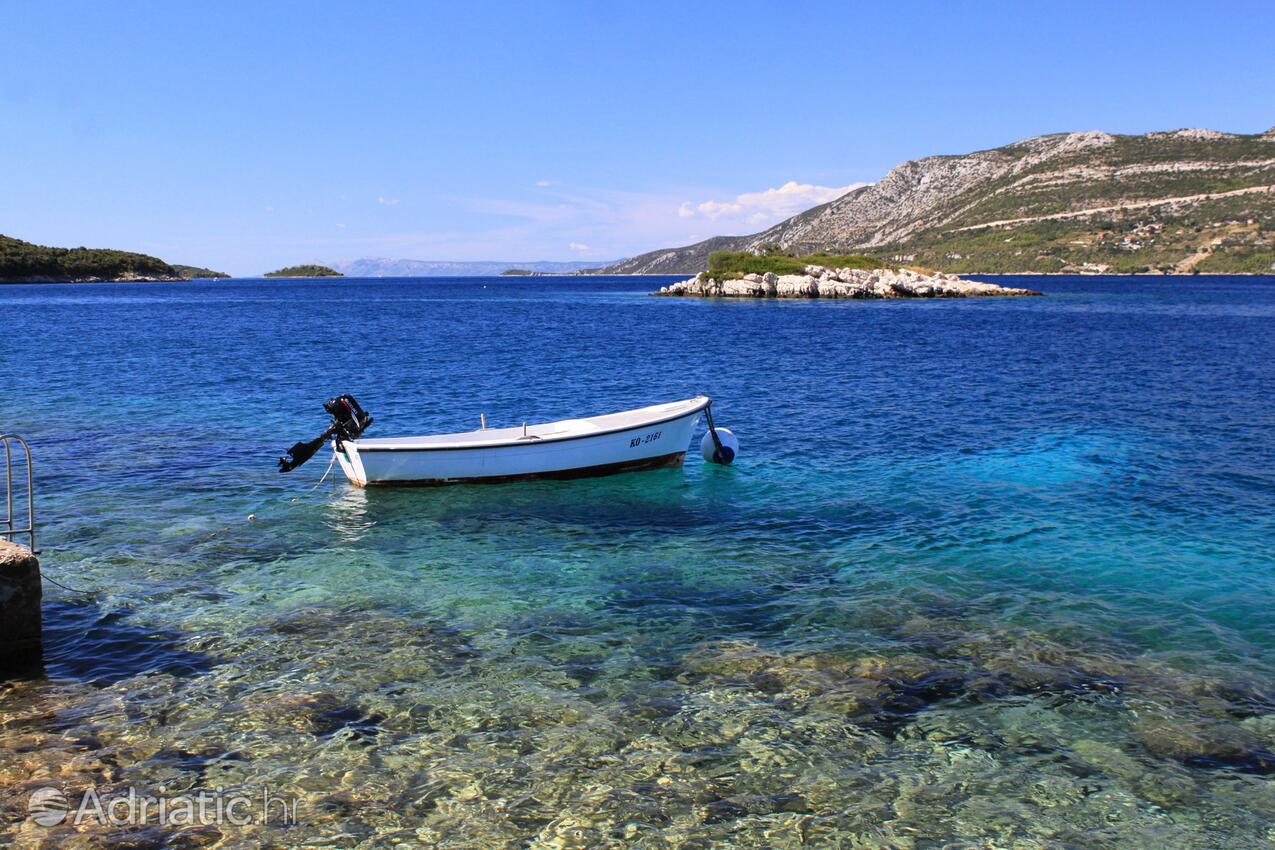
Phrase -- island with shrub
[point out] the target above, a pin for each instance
(310, 270)
(199, 273)
(773, 273)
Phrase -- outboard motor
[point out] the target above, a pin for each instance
(349, 421)
(348, 417)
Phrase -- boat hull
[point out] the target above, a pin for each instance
(645, 446)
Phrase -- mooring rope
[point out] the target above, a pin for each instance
(44, 575)
(48, 578)
(331, 464)
(719, 453)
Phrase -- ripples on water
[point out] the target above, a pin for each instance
(988, 573)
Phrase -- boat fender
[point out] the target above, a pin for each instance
(720, 445)
(723, 453)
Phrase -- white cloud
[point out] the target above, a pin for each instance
(555, 223)
(768, 207)
(546, 183)
(387, 202)
(615, 224)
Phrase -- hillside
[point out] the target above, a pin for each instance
(1182, 201)
(25, 262)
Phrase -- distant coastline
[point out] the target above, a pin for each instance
(581, 276)
(386, 267)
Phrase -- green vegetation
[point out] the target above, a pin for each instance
(725, 265)
(197, 273)
(305, 271)
(516, 272)
(1224, 235)
(1210, 232)
(23, 261)
(1227, 260)
(1130, 168)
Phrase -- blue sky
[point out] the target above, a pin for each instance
(248, 136)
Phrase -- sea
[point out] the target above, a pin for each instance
(987, 573)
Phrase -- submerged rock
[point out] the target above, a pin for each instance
(819, 282)
(958, 732)
(876, 694)
(1202, 742)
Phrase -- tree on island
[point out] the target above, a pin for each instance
(725, 265)
(198, 273)
(305, 271)
(24, 261)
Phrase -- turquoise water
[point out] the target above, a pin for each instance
(988, 573)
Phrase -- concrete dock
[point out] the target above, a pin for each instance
(20, 595)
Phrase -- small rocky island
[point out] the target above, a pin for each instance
(822, 282)
(310, 270)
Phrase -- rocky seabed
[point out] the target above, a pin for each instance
(958, 736)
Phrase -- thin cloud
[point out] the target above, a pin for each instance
(757, 208)
(387, 202)
(543, 184)
(609, 223)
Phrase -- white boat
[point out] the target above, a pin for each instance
(645, 438)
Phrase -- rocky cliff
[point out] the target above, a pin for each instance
(1181, 201)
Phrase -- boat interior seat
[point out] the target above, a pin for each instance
(569, 426)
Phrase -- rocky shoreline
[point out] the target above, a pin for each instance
(128, 278)
(820, 282)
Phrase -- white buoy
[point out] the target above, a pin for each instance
(730, 446)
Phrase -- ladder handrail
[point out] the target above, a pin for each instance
(8, 531)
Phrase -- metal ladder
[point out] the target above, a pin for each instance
(8, 530)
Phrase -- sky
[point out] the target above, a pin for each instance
(247, 136)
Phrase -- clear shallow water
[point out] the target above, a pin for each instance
(988, 572)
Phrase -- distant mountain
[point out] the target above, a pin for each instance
(381, 267)
(26, 262)
(1181, 201)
